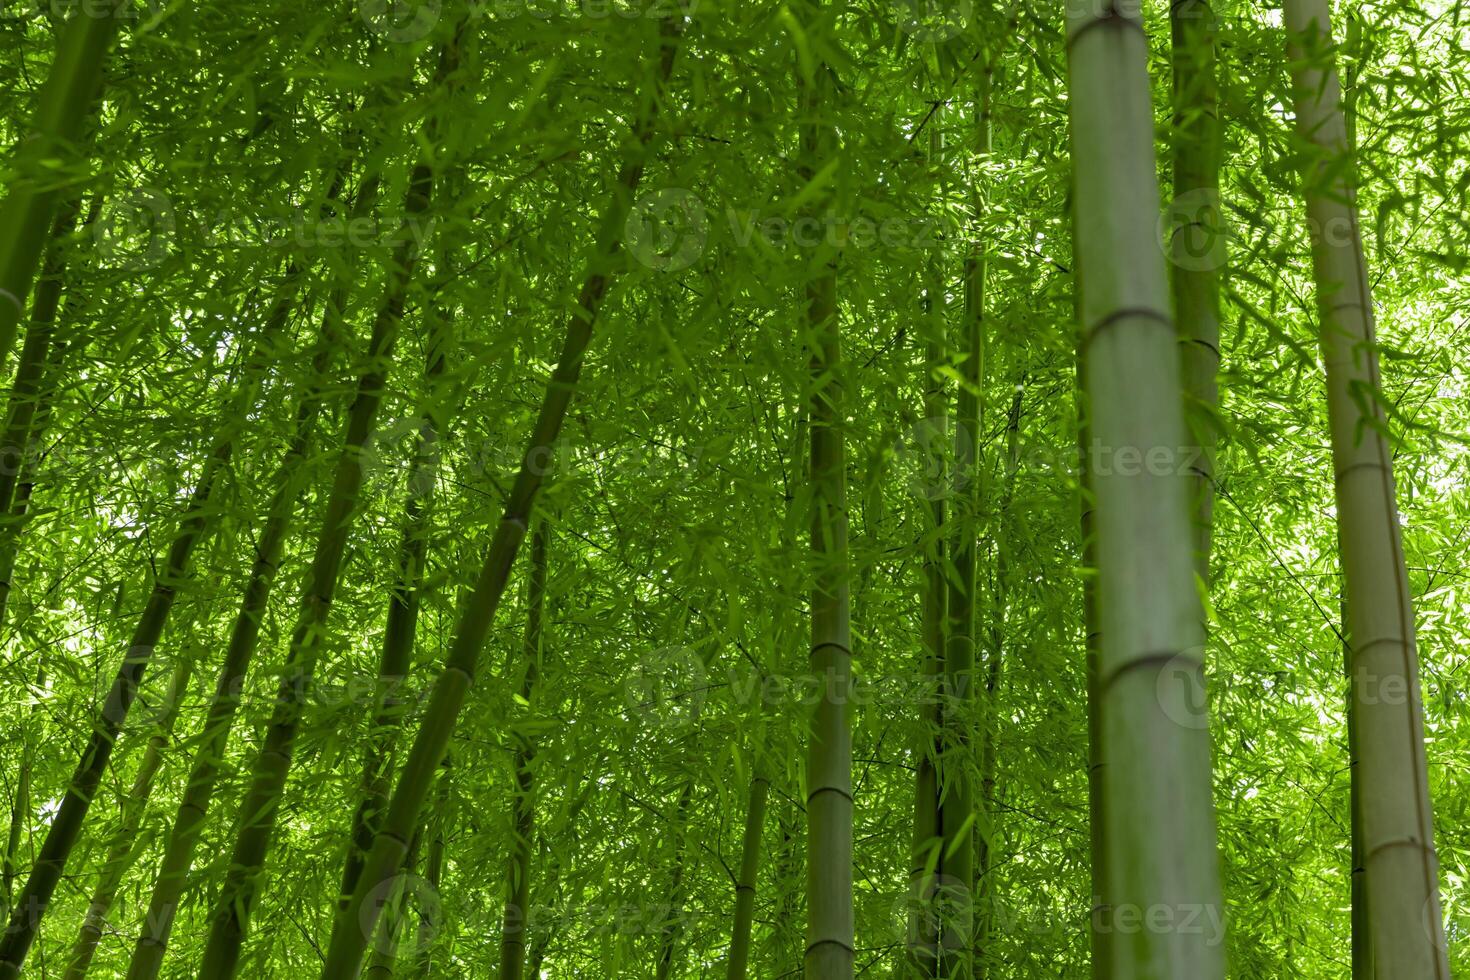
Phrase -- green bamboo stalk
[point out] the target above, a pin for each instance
(35, 384)
(1197, 249)
(384, 959)
(1159, 828)
(434, 877)
(189, 820)
(123, 845)
(29, 410)
(35, 355)
(20, 803)
(230, 918)
(985, 889)
(353, 923)
(66, 826)
(30, 200)
(516, 920)
(1397, 835)
(829, 948)
(932, 769)
(403, 607)
(672, 926)
(1100, 912)
(750, 866)
(1361, 922)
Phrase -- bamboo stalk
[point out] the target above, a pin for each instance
(66, 97)
(230, 918)
(1397, 822)
(1159, 831)
(516, 920)
(354, 922)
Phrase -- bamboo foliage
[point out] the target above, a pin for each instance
(1397, 834)
(193, 808)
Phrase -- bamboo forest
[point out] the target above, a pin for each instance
(767, 490)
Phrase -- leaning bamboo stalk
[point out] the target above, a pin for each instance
(66, 97)
(196, 522)
(1159, 827)
(204, 772)
(478, 611)
(230, 917)
(35, 355)
(66, 826)
(750, 865)
(123, 844)
(516, 921)
(931, 767)
(985, 888)
(672, 925)
(1397, 839)
(403, 606)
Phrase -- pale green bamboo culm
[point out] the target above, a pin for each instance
(30, 200)
(1387, 728)
(355, 922)
(1159, 827)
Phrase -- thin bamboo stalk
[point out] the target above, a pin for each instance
(1397, 833)
(478, 611)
